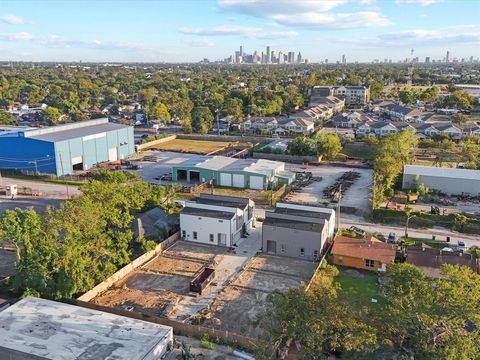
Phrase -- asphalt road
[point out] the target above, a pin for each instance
(440, 233)
(51, 195)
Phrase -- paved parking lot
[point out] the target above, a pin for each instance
(166, 159)
(357, 196)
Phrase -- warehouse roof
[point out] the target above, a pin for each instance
(47, 329)
(223, 163)
(420, 170)
(72, 133)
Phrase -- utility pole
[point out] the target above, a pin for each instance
(406, 225)
(338, 206)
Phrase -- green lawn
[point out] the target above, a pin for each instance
(433, 243)
(359, 150)
(359, 291)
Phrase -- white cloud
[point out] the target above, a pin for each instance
(18, 36)
(13, 19)
(221, 30)
(418, 37)
(201, 43)
(333, 21)
(264, 8)
(58, 41)
(313, 14)
(417, 2)
(245, 31)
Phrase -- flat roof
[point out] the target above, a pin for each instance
(66, 134)
(442, 172)
(294, 224)
(305, 213)
(221, 202)
(216, 214)
(53, 330)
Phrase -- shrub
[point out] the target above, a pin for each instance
(205, 343)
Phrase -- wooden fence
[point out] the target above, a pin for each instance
(180, 328)
(120, 274)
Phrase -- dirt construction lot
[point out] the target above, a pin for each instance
(160, 284)
(242, 305)
(357, 196)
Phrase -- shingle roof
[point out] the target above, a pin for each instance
(371, 249)
(436, 258)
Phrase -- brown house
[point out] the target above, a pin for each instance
(366, 254)
(431, 260)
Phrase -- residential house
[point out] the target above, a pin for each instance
(453, 131)
(366, 254)
(432, 260)
(377, 105)
(353, 95)
(298, 231)
(246, 205)
(211, 224)
(351, 120)
(383, 128)
(333, 102)
(402, 113)
(471, 130)
(299, 126)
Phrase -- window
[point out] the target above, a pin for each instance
(315, 254)
(184, 234)
(369, 263)
(199, 218)
(212, 238)
(220, 221)
(195, 235)
(302, 252)
(282, 248)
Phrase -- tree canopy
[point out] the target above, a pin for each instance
(66, 251)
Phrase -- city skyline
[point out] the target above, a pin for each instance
(167, 31)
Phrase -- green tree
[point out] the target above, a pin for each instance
(319, 319)
(426, 324)
(328, 145)
(52, 115)
(158, 112)
(202, 119)
(459, 119)
(392, 153)
(301, 146)
(6, 118)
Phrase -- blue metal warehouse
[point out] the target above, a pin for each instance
(64, 148)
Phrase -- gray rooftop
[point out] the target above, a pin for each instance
(72, 133)
(36, 328)
(216, 214)
(305, 213)
(293, 224)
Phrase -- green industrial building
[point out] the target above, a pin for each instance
(230, 172)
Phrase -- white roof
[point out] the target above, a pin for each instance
(54, 330)
(442, 172)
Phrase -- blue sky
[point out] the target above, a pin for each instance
(187, 31)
